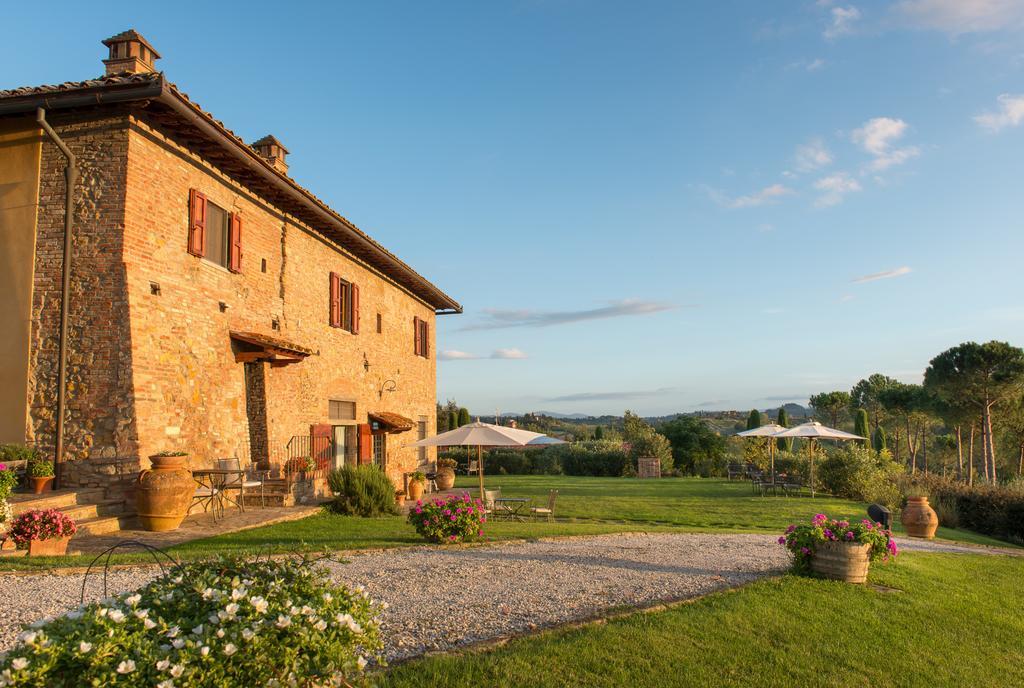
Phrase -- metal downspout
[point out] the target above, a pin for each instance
(70, 175)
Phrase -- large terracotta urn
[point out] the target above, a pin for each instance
(919, 519)
(164, 493)
(842, 561)
(444, 478)
(415, 490)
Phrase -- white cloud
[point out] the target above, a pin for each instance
(886, 274)
(808, 65)
(834, 188)
(962, 16)
(495, 319)
(765, 195)
(812, 155)
(765, 227)
(509, 354)
(842, 21)
(456, 355)
(1010, 114)
(878, 136)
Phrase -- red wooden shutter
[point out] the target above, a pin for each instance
(416, 335)
(425, 347)
(354, 290)
(196, 223)
(320, 443)
(335, 300)
(235, 243)
(365, 443)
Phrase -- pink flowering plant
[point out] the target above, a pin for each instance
(455, 519)
(803, 540)
(41, 524)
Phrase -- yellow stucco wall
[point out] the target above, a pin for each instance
(20, 145)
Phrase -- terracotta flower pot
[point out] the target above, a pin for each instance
(415, 490)
(919, 519)
(164, 493)
(445, 478)
(842, 561)
(41, 484)
(54, 547)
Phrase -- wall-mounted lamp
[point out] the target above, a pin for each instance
(386, 386)
(366, 363)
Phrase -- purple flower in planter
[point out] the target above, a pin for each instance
(790, 529)
(804, 550)
(782, 540)
(849, 535)
(829, 535)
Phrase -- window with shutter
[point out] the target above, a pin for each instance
(425, 347)
(416, 335)
(354, 289)
(335, 302)
(235, 243)
(196, 223)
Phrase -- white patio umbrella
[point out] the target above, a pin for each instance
(769, 430)
(814, 431)
(482, 435)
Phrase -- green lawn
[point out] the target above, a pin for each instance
(585, 506)
(953, 620)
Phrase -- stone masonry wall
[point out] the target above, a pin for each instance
(100, 407)
(189, 392)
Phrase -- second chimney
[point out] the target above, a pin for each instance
(273, 151)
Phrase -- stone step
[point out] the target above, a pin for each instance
(82, 512)
(103, 525)
(270, 499)
(56, 499)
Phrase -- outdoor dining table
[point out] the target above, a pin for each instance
(217, 479)
(512, 508)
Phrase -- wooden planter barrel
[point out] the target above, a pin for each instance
(919, 519)
(163, 494)
(54, 547)
(842, 561)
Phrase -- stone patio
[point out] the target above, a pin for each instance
(194, 527)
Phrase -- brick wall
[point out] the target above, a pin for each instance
(190, 393)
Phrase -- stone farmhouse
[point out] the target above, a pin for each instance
(214, 305)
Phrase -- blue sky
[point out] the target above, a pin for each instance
(660, 206)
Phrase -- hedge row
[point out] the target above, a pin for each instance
(594, 458)
(990, 509)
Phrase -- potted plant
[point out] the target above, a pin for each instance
(163, 493)
(40, 471)
(918, 517)
(416, 482)
(445, 477)
(452, 520)
(838, 550)
(8, 479)
(399, 497)
(43, 532)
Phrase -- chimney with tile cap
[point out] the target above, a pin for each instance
(131, 53)
(273, 151)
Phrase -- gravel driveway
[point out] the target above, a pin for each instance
(441, 598)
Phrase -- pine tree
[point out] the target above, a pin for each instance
(861, 426)
(464, 418)
(598, 433)
(754, 419)
(783, 443)
(878, 441)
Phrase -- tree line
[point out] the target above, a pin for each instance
(971, 399)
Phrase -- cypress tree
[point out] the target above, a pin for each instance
(754, 419)
(861, 426)
(784, 443)
(453, 420)
(878, 441)
(598, 433)
(464, 418)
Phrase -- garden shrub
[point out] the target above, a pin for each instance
(858, 473)
(989, 509)
(451, 520)
(226, 622)
(605, 458)
(507, 461)
(362, 491)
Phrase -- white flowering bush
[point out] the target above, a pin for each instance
(220, 623)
